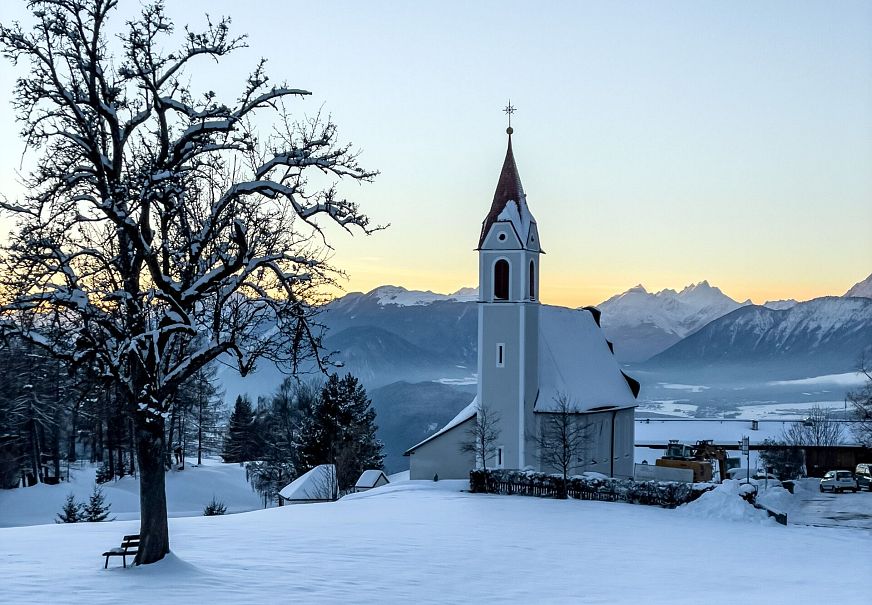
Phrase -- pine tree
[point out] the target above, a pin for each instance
(96, 509)
(71, 512)
(279, 423)
(341, 430)
(240, 440)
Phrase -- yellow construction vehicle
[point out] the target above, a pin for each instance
(699, 458)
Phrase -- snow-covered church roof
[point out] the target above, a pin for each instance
(575, 360)
(510, 201)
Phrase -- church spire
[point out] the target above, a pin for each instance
(509, 188)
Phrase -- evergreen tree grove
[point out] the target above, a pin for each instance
(341, 430)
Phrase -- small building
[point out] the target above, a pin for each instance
(531, 356)
(370, 479)
(316, 485)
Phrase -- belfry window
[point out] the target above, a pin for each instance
(501, 280)
(532, 280)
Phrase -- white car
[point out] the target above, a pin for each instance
(838, 481)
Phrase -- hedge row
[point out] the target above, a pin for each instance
(530, 483)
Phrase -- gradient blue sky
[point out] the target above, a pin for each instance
(658, 142)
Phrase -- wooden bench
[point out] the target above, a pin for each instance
(129, 546)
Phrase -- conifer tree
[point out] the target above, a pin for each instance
(279, 427)
(341, 430)
(96, 509)
(239, 443)
(71, 512)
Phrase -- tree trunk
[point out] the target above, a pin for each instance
(200, 430)
(132, 440)
(153, 530)
(71, 443)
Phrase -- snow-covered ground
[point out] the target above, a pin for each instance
(427, 542)
(188, 491)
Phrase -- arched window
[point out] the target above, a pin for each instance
(501, 280)
(532, 280)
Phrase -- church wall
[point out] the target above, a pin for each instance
(595, 455)
(442, 456)
(531, 379)
(499, 385)
(625, 440)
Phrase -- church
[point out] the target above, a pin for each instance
(530, 357)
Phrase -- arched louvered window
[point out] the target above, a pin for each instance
(501, 280)
(532, 280)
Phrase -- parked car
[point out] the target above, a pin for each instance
(863, 473)
(838, 481)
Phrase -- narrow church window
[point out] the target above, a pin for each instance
(501, 280)
(501, 362)
(500, 457)
(532, 280)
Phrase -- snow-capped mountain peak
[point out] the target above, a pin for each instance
(780, 305)
(397, 295)
(861, 289)
(664, 317)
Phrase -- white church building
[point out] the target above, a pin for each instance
(529, 355)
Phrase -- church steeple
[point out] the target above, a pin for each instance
(508, 316)
(510, 206)
(508, 189)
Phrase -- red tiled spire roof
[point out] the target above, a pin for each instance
(508, 188)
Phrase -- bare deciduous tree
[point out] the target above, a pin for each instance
(482, 436)
(156, 217)
(562, 438)
(861, 400)
(819, 429)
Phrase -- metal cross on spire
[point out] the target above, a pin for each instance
(509, 110)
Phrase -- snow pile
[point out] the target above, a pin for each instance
(777, 499)
(725, 502)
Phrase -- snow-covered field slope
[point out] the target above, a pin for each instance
(426, 542)
(188, 491)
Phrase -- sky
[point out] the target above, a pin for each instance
(658, 143)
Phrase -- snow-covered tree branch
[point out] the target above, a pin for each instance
(157, 217)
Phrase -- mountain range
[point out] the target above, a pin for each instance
(391, 333)
(817, 337)
(642, 324)
(416, 351)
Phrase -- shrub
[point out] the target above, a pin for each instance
(71, 512)
(96, 510)
(530, 483)
(215, 507)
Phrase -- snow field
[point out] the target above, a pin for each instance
(188, 491)
(426, 542)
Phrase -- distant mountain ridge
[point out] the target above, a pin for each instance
(393, 334)
(816, 337)
(642, 324)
